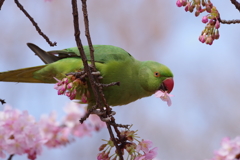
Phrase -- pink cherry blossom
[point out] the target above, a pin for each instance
(229, 149)
(164, 96)
(144, 145)
(21, 134)
(148, 155)
(151, 154)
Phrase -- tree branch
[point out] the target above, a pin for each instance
(236, 4)
(10, 157)
(2, 101)
(97, 90)
(87, 33)
(234, 21)
(1, 3)
(80, 47)
(34, 23)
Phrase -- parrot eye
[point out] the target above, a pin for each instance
(156, 74)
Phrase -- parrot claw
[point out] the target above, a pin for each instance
(108, 118)
(98, 112)
(101, 113)
(96, 73)
(105, 119)
(112, 113)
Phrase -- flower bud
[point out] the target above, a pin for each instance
(197, 13)
(202, 38)
(203, 3)
(216, 35)
(217, 24)
(178, 3)
(70, 85)
(204, 19)
(208, 8)
(184, 2)
(209, 40)
(191, 8)
(102, 147)
(199, 8)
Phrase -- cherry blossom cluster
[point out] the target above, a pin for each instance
(164, 97)
(210, 33)
(141, 151)
(230, 150)
(21, 134)
(72, 87)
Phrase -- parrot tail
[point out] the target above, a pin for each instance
(21, 75)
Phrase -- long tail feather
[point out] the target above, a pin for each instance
(21, 75)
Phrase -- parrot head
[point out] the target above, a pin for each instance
(155, 76)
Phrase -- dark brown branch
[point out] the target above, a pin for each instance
(87, 33)
(1, 3)
(34, 24)
(10, 157)
(80, 48)
(2, 101)
(97, 91)
(234, 21)
(236, 4)
(120, 125)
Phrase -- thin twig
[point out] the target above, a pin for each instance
(10, 157)
(80, 47)
(2, 101)
(108, 85)
(87, 114)
(120, 125)
(87, 33)
(236, 4)
(34, 24)
(234, 21)
(1, 3)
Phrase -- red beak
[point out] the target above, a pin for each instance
(167, 85)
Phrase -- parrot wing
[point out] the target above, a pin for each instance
(51, 56)
(102, 53)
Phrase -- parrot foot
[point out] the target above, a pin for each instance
(96, 73)
(77, 74)
(98, 112)
(108, 85)
(108, 119)
(102, 113)
(127, 126)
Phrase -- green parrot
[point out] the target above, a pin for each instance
(137, 79)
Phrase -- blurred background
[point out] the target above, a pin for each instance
(207, 79)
